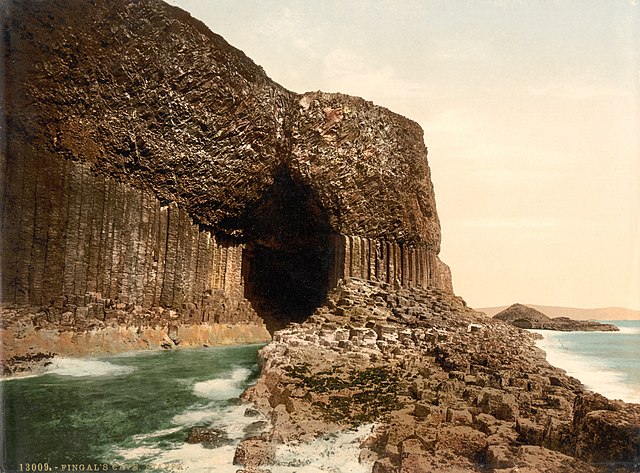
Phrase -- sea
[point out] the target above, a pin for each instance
(134, 412)
(605, 362)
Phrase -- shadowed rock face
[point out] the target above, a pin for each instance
(144, 92)
(287, 260)
(149, 163)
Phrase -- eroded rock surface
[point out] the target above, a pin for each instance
(447, 388)
(152, 172)
(150, 164)
(146, 93)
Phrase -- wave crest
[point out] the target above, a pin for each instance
(79, 368)
(221, 389)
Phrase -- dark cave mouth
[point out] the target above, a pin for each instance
(286, 286)
(287, 258)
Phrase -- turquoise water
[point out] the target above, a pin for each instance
(133, 411)
(605, 362)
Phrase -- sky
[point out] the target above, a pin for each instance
(531, 112)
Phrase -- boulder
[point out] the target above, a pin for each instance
(254, 452)
(208, 437)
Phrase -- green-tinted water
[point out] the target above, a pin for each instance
(131, 410)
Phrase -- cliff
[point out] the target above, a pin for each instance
(144, 93)
(159, 190)
(154, 175)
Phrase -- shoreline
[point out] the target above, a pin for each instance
(27, 350)
(107, 357)
(596, 374)
(445, 387)
(461, 392)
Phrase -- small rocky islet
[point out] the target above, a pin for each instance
(527, 317)
(161, 191)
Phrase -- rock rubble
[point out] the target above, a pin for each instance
(447, 388)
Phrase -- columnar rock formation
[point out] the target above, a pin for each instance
(446, 388)
(158, 189)
(69, 232)
(150, 163)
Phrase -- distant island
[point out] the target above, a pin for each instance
(523, 316)
(603, 313)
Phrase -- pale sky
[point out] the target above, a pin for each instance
(531, 112)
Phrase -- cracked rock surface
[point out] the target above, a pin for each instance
(447, 388)
(145, 93)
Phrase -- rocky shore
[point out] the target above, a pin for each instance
(446, 388)
(161, 191)
(91, 325)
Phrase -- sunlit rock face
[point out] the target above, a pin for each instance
(149, 163)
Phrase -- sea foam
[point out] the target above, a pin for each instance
(193, 458)
(231, 419)
(79, 368)
(335, 453)
(594, 374)
(220, 389)
(629, 330)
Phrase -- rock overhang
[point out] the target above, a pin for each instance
(197, 122)
(168, 169)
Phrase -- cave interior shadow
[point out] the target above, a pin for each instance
(287, 258)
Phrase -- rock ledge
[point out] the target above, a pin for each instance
(447, 389)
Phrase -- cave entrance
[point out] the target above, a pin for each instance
(288, 255)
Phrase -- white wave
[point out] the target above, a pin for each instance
(78, 368)
(234, 422)
(158, 433)
(628, 330)
(194, 458)
(220, 389)
(594, 374)
(231, 419)
(337, 453)
(139, 454)
(196, 417)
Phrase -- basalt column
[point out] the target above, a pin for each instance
(288, 261)
(160, 167)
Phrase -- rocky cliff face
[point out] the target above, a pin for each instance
(158, 189)
(150, 165)
(145, 93)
